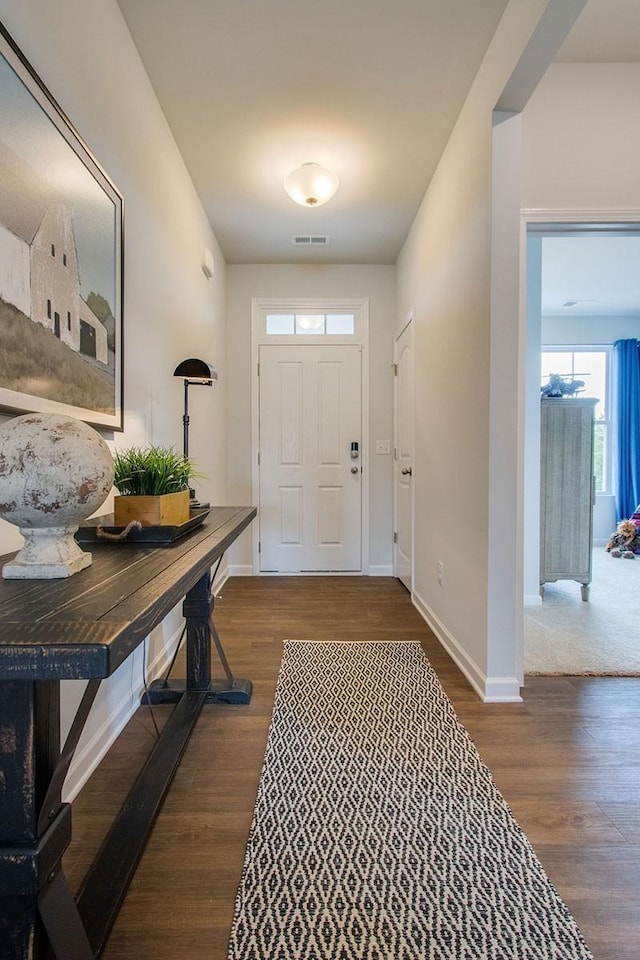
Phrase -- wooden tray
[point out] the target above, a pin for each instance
(88, 531)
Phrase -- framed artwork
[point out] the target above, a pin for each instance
(61, 259)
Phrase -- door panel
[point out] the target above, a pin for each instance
(329, 413)
(290, 408)
(330, 514)
(291, 526)
(310, 500)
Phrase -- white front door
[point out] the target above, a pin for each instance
(403, 460)
(310, 510)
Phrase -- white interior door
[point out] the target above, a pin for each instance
(310, 510)
(403, 458)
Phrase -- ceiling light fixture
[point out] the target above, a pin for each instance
(311, 185)
(310, 321)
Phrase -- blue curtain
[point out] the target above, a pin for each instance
(627, 357)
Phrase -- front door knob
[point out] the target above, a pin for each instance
(355, 469)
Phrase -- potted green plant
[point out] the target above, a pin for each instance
(153, 483)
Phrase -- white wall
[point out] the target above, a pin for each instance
(85, 55)
(557, 331)
(377, 283)
(444, 271)
(581, 138)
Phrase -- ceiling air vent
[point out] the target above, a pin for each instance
(309, 240)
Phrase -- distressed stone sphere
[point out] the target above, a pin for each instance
(54, 473)
(54, 470)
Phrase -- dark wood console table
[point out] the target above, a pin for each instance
(84, 628)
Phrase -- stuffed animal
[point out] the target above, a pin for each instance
(625, 542)
(561, 387)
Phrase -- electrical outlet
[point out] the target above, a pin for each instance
(383, 447)
(441, 573)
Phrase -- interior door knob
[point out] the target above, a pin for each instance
(407, 471)
(355, 469)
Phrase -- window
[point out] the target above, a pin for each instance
(53, 249)
(592, 365)
(49, 309)
(340, 324)
(64, 259)
(310, 324)
(68, 320)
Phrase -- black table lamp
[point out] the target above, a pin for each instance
(194, 372)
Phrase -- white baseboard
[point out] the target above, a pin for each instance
(532, 600)
(489, 689)
(502, 690)
(381, 570)
(375, 570)
(221, 577)
(240, 570)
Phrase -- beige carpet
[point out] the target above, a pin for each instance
(567, 636)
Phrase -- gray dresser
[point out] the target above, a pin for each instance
(566, 491)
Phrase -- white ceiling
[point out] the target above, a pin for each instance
(601, 273)
(370, 88)
(607, 31)
(254, 88)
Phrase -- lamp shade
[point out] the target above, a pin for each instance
(194, 369)
(311, 185)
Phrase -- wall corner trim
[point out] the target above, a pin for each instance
(606, 217)
(489, 689)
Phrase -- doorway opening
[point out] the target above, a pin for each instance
(582, 296)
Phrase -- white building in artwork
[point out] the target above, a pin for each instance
(15, 272)
(41, 278)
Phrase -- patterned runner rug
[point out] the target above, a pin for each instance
(378, 832)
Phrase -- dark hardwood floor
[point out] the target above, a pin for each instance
(567, 760)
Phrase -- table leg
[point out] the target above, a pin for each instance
(105, 885)
(200, 630)
(38, 917)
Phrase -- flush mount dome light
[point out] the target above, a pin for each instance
(310, 321)
(311, 185)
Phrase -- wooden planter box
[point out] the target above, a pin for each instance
(170, 509)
